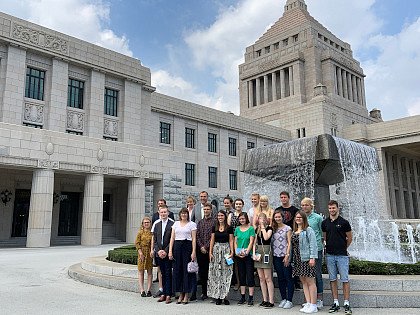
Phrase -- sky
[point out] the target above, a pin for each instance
(194, 47)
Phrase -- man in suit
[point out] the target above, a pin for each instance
(198, 213)
(161, 238)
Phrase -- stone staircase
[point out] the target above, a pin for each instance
(13, 242)
(366, 291)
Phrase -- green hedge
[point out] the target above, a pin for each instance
(128, 255)
(125, 255)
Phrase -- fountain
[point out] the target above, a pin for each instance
(324, 168)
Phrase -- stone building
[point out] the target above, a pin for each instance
(87, 147)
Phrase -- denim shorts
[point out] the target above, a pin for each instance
(338, 265)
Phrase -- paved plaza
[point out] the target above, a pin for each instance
(35, 281)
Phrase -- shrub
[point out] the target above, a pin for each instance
(125, 255)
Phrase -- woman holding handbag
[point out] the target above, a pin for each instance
(244, 240)
(263, 260)
(182, 249)
(220, 255)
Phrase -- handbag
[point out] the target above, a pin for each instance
(192, 267)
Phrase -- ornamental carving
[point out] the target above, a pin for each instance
(111, 128)
(33, 113)
(75, 120)
(55, 165)
(142, 174)
(39, 38)
(99, 169)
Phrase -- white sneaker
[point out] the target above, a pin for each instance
(319, 304)
(288, 305)
(305, 307)
(303, 304)
(311, 309)
(281, 305)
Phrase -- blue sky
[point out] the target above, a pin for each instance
(193, 47)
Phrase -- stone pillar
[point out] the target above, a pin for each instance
(57, 114)
(93, 210)
(354, 85)
(128, 110)
(350, 87)
(40, 210)
(95, 106)
(392, 196)
(135, 207)
(291, 81)
(265, 89)
(11, 107)
(250, 93)
(340, 81)
(383, 174)
(298, 80)
(344, 81)
(410, 210)
(283, 83)
(274, 85)
(363, 92)
(359, 91)
(258, 91)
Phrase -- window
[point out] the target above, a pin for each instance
(212, 177)
(78, 133)
(334, 131)
(258, 52)
(75, 93)
(276, 46)
(301, 132)
(165, 133)
(189, 174)
(285, 42)
(190, 138)
(233, 179)
(295, 38)
(232, 146)
(110, 138)
(106, 208)
(250, 145)
(34, 86)
(267, 49)
(212, 142)
(111, 102)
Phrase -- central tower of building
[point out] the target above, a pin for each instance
(301, 77)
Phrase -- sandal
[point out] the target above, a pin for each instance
(143, 294)
(149, 294)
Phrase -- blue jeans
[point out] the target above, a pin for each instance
(285, 279)
(338, 265)
(318, 276)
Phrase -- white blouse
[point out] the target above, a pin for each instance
(184, 232)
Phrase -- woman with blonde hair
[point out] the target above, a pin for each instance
(144, 261)
(264, 207)
(263, 260)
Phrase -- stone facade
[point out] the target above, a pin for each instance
(90, 172)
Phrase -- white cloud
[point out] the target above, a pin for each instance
(84, 19)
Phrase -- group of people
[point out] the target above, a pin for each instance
(230, 244)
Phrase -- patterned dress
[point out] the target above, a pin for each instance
(300, 268)
(143, 242)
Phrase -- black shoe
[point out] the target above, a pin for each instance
(241, 301)
(268, 305)
(226, 302)
(263, 303)
(193, 297)
(157, 294)
(219, 302)
(204, 297)
(250, 301)
(149, 294)
(334, 308)
(347, 310)
(143, 294)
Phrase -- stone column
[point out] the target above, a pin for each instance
(283, 83)
(250, 93)
(392, 196)
(135, 207)
(258, 91)
(14, 67)
(354, 84)
(57, 115)
(93, 210)
(362, 81)
(265, 89)
(95, 107)
(350, 87)
(298, 80)
(410, 210)
(40, 210)
(359, 91)
(274, 85)
(291, 81)
(344, 80)
(340, 81)
(384, 176)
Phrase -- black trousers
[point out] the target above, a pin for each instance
(203, 261)
(246, 271)
(165, 266)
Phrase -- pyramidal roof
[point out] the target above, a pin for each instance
(295, 17)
